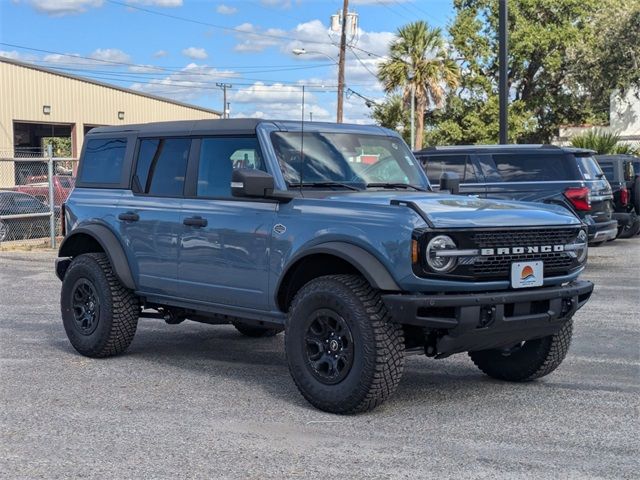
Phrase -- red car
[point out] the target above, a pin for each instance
(39, 188)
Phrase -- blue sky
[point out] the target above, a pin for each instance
(141, 44)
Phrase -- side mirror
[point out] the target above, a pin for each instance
(247, 182)
(251, 183)
(450, 181)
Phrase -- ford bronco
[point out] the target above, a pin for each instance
(330, 233)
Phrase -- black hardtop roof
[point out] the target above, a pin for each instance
(618, 156)
(232, 126)
(508, 148)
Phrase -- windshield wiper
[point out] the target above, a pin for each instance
(395, 185)
(324, 184)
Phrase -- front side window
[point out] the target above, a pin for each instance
(436, 165)
(162, 166)
(103, 160)
(522, 167)
(219, 156)
(356, 160)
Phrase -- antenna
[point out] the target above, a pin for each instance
(302, 141)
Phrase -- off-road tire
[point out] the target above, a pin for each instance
(632, 229)
(256, 331)
(535, 359)
(378, 344)
(118, 308)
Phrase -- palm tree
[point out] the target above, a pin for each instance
(418, 61)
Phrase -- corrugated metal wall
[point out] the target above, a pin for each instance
(24, 91)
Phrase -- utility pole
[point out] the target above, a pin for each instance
(343, 46)
(224, 87)
(503, 64)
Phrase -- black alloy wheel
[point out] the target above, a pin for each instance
(328, 346)
(86, 306)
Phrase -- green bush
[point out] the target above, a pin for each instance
(604, 143)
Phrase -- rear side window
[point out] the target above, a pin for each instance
(103, 161)
(522, 167)
(589, 168)
(219, 157)
(162, 166)
(436, 165)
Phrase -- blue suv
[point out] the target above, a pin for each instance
(328, 232)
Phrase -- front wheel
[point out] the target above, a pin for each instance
(345, 354)
(528, 360)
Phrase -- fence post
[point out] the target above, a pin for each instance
(52, 200)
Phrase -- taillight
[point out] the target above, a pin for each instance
(63, 222)
(624, 196)
(579, 198)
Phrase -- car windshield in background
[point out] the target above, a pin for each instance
(589, 168)
(346, 159)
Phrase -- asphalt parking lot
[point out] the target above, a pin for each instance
(198, 401)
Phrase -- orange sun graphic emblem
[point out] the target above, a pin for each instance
(527, 273)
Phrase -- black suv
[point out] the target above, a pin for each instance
(625, 184)
(534, 173)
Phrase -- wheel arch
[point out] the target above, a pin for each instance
(98, 238)
(331, 258)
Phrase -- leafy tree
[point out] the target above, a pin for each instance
(418, 62)
(393, 114)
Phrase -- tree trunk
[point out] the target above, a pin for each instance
(419, 125)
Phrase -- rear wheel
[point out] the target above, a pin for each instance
(631, 229)
(528, 360)
(99, 314)
(345, 354)
(256, 331)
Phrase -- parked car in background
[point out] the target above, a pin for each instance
(22, 216)
(38, 186)
(535, 173)
(625, 184)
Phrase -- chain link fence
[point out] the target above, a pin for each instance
(32, 191)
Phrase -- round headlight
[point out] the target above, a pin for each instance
(580, 246)
(440, 264)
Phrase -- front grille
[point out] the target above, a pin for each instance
(554, 262)
(497, 266)
(531, 237)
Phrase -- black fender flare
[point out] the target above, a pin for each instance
(109, 243)
(369, 266)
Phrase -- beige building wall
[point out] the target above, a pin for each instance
(24, 90)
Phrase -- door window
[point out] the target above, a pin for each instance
(522, 167)
(162, 165)
(219, 156)
(460, 164)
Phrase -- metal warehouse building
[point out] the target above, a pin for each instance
(37, 104)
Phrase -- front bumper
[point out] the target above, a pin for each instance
(468, 322)
(603, 231)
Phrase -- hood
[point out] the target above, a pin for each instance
(458, 211)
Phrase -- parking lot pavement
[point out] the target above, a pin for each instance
(198, 401)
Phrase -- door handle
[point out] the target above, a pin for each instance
(195, 222)
(129, 217)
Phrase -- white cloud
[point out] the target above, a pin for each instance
(192, 82)
(252, 39)
(161, 53)
(145, 69)
(100, 58)
(276, 93)
(63, 7)
(223, 9)
(58, 8)
(195, 53)
(276, 3)
(15, 55)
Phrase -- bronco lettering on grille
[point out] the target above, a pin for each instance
(520, 250)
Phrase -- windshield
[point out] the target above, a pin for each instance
(354, 160)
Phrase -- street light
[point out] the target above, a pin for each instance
(302, 51)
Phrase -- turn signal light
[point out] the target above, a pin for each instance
(414, 251)
(579, 198)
